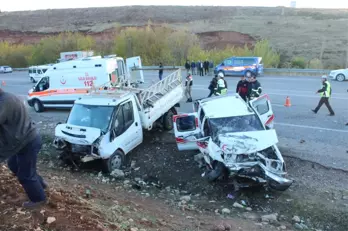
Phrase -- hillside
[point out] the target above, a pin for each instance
(293, 32)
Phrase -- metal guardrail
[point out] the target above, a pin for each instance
(289, 71)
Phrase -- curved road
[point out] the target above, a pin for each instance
(303, 134)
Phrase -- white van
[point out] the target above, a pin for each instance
(65, 82)
(37, 72)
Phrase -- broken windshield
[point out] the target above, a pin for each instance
(91, 116)
(233, 124)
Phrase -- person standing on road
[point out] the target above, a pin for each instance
(255, 88)
(206, 67)
(188, 87)
(20, 144)
(213, 85)
(193, 68)
(242, 88)
(201, 68)
(325, 94)
(160, 72)
(187, 66)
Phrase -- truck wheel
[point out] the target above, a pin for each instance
(115, 161)
(38, 107)
(168, 120)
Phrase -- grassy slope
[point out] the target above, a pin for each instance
(297, 32)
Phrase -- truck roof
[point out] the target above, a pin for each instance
(225, 106)
(83, 63)
(104, 99)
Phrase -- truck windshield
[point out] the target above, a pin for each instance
(91, 116)
(246, 123)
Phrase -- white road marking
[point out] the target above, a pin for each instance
(311, 127)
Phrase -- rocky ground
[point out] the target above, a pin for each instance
(161, 189)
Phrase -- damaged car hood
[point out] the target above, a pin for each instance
(247, 142)
(76, 134)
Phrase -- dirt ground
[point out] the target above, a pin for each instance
(162, 190)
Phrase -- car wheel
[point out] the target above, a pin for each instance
(115, 161)
(168, 120)
(221, 73)
(340, 77)
(248, 74)
(38, 107)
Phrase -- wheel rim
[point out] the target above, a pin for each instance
(116, 162)
(340, 77)
(36, 106)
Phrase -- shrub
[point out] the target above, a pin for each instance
(315, 64)
(298, 62)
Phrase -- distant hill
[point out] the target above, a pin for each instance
(310, 33)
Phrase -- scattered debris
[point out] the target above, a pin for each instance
(225, 211)
(237, 205)
(270, 218)
(117, 173)
(296, 219)
(50, 220)
(185, 198)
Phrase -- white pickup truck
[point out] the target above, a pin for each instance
(108, 123)
(234, 138)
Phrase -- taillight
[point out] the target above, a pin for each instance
(270, 120)
(180, 140)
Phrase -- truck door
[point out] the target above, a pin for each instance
(187, 130)
(263, 108)
(127, 132)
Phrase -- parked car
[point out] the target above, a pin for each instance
(240, 66)
(339, 75)
(5, 69)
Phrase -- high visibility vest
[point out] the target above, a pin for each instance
(326, 93)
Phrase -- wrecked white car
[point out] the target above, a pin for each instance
(235, 139)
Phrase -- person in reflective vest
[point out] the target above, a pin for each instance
(255, 88)
(221, 88)
(325, 94)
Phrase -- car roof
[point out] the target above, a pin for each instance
(225, 106)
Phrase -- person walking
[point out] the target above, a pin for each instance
(187, 66)
(193, 68)
(20, 144)
(160, 72)
(201, 68)
(213, 85)
(188, 87)
(242, 88)
(221, 88)
(255, 88)
(325, 94)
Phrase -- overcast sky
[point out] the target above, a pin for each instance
(17, 5)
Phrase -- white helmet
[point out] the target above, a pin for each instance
(221, 75)
(324, 77)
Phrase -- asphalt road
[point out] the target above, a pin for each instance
(303, 134)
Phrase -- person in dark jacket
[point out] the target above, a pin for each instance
(20, 144)
(242, 88)
(213, 85)
(193, 68)
(187, 66)
(325, 93)
(206, 67)
(201, 66)
(255, 88)
(160, 72)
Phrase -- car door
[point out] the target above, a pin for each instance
(262, 106)
(228, 66)
(238, 67)
(187, 130)
(127, 132)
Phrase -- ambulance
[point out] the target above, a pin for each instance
(65, 82)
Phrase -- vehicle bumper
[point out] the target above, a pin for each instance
(30, 102)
